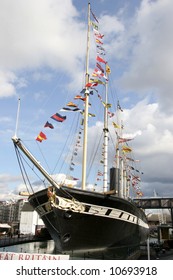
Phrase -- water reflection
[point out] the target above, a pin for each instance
(44, 247)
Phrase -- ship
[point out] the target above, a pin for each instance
(88, 221)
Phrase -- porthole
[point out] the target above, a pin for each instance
(66, 237)
(68, 214)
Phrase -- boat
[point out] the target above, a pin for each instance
(102, 222)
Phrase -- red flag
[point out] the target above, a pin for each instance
(91, 84)
(122, 140)
(99, 35)
(41, 137)
(100, 59)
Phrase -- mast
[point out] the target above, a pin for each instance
(121, 178)
(84, 160)
(118, 162)
(105, 130)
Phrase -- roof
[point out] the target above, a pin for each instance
(27, 207)
(4, 226)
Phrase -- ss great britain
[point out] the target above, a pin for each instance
(103, 220)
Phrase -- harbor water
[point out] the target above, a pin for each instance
(48, 247)
(39, 247)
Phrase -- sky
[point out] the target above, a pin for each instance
(42, 57)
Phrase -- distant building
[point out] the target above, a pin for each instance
(10, 211)
(30, 222)
(20, 216)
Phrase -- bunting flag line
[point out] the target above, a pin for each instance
(48, 124)
(91, 115)
(65, 109)
(100, 52)
(71, 104)
(57, 117)
(97, 81)
(122, 140)
(94, 16)
(108, 69)
(136, 178)
(71, 178)
(99, 173)
(41, 137)
(99, 73)
(132, 168)
(94, 25)
(119, 107)
(107, 105)
(100, 59)
(126, 149)
(91, 84)
(83, 91)
(101, 48)
(98, 41)
(116, 125)
(139, 193)
(98, 35)
(131, 159)
(80, 97)
(100, 67)
(98, 179)
(100, 78)
(110, 114)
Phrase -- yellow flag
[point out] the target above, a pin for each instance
(71, 104)
(107, 105)
(116, 125)
(108, 69)
(126, 149)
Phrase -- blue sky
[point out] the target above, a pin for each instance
(42, 57)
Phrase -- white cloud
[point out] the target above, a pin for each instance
(34, 37)
(155, 144)
(152, 144)
(5, 190)
(7, 80)
(150, 43)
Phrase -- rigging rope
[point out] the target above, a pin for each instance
(21, 170)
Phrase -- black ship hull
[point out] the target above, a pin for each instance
(104, 222)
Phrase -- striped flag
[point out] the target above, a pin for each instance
(41, 137)
(57, 117)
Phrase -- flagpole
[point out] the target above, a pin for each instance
(105, 130)
(84, 160)
(17, 118)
